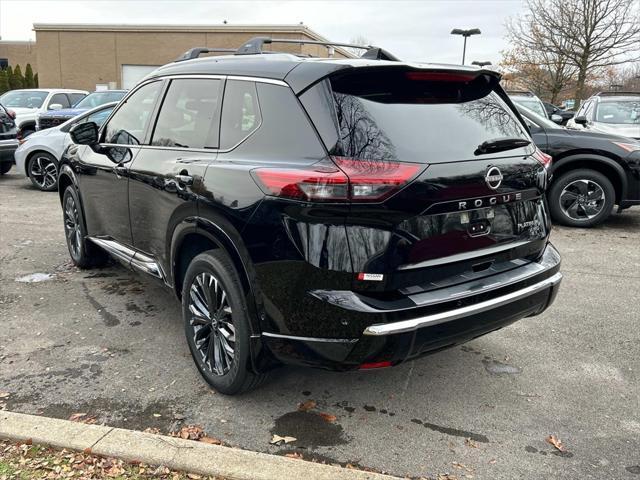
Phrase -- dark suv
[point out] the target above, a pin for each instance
(337, 213)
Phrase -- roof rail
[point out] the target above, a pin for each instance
(616, 92)
(196, 52)
(254, 46)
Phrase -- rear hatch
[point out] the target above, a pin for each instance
(463, 181)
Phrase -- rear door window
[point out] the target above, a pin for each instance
(188, 117)
(240, 113)
(421, 117)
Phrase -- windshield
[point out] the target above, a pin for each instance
(419, 121)
(23, 99)
(99, 98)
(624, 112)
(531, 104)
(535, 118)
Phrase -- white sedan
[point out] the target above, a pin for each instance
(38, 155)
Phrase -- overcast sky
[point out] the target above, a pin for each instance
(412, 30)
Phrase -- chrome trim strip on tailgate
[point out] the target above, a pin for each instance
(464, 256)
(442, 317)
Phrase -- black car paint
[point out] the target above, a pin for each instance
(584, 149)
(8, 137)
(285, 249)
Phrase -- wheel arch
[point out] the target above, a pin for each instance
(604, 165)
(195, 235)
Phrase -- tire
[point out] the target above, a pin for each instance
(43, 171)
(84, 254)
(5, 167)
(211, 279)
(581, 198)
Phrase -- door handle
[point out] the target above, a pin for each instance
(185, 179)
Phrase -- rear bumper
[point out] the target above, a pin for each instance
(449, 318)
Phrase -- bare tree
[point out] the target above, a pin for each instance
(588, 34)
(358, 40)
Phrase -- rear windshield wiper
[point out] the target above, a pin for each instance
(500, 145)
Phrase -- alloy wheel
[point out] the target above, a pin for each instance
(72, 226)
(582, 200)
(44, 172)
(211, 323)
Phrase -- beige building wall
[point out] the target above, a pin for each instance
(19, 53)
(81, 56)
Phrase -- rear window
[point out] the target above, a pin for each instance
(423, 117)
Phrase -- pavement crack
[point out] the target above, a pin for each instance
(101, 438)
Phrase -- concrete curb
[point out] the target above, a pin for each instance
(175, 453)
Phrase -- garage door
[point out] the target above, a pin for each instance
(132, 74)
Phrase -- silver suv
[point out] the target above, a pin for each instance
(616, 113)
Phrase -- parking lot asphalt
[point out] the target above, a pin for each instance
(110, 343)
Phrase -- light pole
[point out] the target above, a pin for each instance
(466, 34)
(480, 64)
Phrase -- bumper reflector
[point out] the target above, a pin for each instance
(369, 366)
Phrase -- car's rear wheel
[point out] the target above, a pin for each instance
(83, 253)
(5, 167)
(581, 198)
(216, 323)
(43, 171)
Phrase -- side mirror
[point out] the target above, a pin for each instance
(55, 106)
(84, 133)
(581, 120)
(556, 119)
(12, 114)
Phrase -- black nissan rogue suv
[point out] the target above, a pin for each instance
(338, 213)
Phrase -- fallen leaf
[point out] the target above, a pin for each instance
(296, 455)
(327, 417)
(87, 451)
(193, 476)
(306, 406)
(157, 415)
(189, 432)
(277, 439)
(470, 443)
(155, 431)
(211, 441)
(77, 416)
(555, 441)
(4, 394)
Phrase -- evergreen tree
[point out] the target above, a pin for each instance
(29, 81)
(4, 81)
(9, 72)
(35, 81)
(18, 78)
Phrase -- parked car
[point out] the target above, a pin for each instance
(591, 171)
(39, 154)
(8, 139)
(552, 109)
(610, 112)
(58, 117)
(530, 101)
(337, 213)
(29, 103)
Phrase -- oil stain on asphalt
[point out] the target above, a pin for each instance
(309, 429)
(476, 437)
(110, 320)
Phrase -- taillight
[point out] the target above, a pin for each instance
(543, 158)
(345, 180)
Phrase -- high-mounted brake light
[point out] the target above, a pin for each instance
(439, 76)
(344, 179)
(543, 158)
